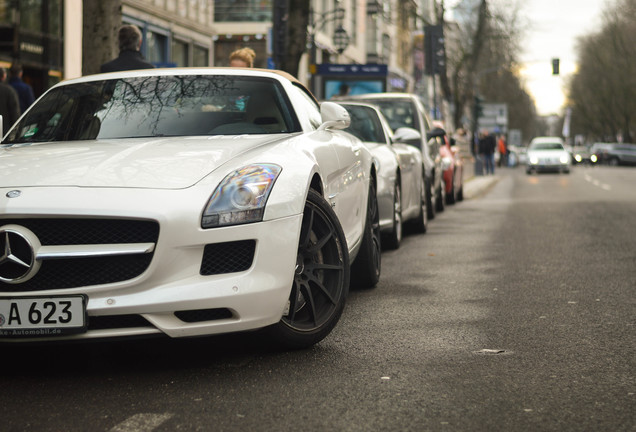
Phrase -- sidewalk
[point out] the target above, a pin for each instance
(476, 185)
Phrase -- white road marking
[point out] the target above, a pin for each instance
(142, 422)
(597, 183)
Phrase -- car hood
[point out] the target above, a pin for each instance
(158, 163)
(546, 153)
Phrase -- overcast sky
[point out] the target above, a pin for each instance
(551, 31)
(553, 27)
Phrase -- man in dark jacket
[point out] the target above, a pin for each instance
(129, 56)
(24, 90)
(487, 146)
(9, 104)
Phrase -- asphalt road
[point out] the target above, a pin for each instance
(515, 312)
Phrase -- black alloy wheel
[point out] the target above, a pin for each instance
(366, 267)
(321, 279)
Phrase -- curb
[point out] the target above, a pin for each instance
(478, 185)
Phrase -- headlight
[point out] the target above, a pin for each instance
(534, 160)
(240, 198)
(593, 158)
(578, 158)
(564, 159)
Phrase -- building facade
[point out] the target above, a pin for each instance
(177, 33)
(32, 34)
(383, 39)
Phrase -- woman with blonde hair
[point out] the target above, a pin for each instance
(243, 57)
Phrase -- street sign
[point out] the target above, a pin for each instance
(494, 117)
(514, 138)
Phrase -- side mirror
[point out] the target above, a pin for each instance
(334, 116)
(435, 133)
(407, 135)
(453, 141)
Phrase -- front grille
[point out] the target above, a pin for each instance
(199, 315)
(78, 272)
(85, 271)
(55, 232)
(228, 257)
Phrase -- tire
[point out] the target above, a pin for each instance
(613, 162)
(430, 199)
(441, 197)
(321, 279)
(460, 193)
(365, 270)
(421, 223)
(393, 238)
(451, 197)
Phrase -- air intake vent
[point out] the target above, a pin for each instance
(199, 315)
(229, 257)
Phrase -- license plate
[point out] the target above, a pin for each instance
(42, 316)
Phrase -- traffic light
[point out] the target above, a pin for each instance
(555, 66)
(435, 57)
(479, 106)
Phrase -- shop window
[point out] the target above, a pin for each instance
(180, 53)
(31, 15)
(242, 10)
(157, 48)
(201, 56)
(54, 18)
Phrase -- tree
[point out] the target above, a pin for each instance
(467, 40)
(294, 34)
(485, 44)
(602, 93)
(101, 20)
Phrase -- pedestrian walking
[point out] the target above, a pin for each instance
(242, 57)
(487, 146)
(9, 103)
(129, 58)
(503, 151)
(24, 90)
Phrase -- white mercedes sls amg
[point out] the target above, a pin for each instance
(183, 202)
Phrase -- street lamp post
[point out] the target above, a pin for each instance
(340, 38)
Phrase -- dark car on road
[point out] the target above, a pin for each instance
(583, 155)
(615, 153)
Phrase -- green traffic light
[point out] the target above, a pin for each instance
(555, 66)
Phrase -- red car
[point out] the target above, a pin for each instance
(452, 165)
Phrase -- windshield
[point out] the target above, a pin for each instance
(399, 113)
(365, 124)
(546, 146)
(157, 106)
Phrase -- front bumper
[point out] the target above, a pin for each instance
(546, 167)
(173, 298)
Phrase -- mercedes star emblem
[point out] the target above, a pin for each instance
(18, 247)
